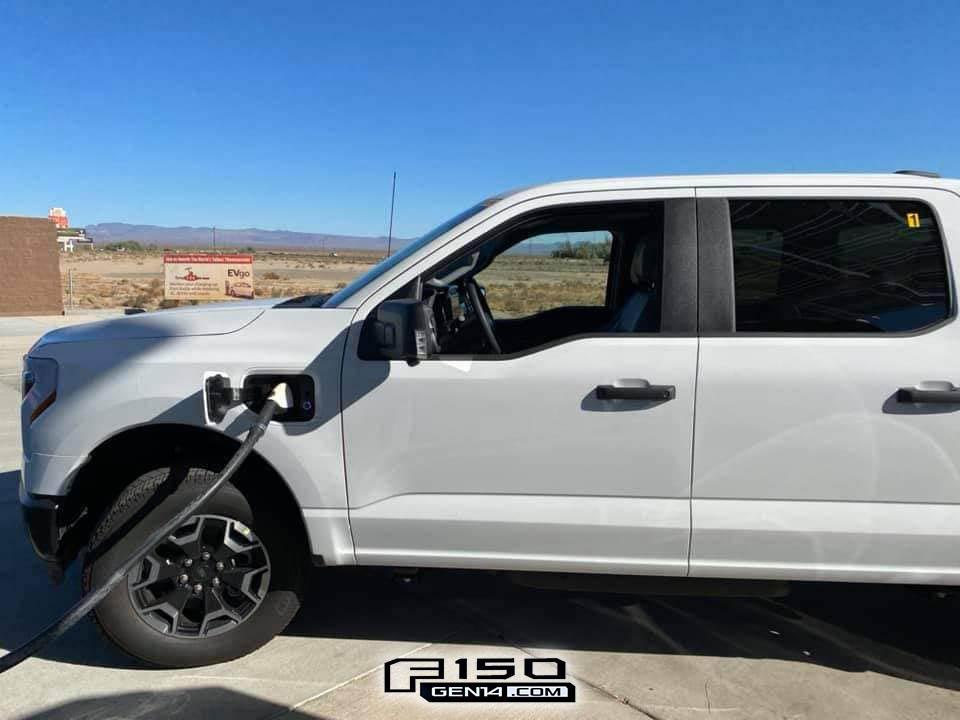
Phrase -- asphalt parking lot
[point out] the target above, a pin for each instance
(825, 651)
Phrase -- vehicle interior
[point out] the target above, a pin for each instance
(626, 281)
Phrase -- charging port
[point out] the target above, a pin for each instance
(257, 388)
(219, 396)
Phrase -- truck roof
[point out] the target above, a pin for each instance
(892, 179)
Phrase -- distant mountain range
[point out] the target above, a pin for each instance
(104, 233)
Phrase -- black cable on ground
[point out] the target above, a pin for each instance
(89, 601)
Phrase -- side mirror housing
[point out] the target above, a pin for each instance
(404, 330)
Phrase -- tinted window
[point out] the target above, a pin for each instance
(837, 266)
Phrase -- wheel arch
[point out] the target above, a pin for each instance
(124, 456)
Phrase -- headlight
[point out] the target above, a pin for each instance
(38, 384)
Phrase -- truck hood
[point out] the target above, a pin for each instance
(217, 319)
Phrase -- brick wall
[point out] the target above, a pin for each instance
(29, 267)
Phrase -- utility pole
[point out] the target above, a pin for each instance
(393, 196)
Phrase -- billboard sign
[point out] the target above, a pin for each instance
(202, 276)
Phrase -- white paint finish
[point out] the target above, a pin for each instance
(108, 386)
(821, 185)
(329, 532)
(211, 320)
(815, 418)
(526, 532)
(46, 474)
(527, 426)
(806, 540)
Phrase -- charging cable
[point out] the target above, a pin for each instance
(281, 398)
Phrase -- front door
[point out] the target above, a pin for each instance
(827, 415)
(516, 460)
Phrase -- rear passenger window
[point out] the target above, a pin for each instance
(837, 266)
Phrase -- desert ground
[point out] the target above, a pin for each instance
(109, 278)
(516, 284)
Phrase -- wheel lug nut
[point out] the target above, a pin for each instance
(219, 566)
(188, 562)
(198, 588)
(205, 556)
(184, 579)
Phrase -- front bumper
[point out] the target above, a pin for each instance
(48, 514)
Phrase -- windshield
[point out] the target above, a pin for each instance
(401, 255)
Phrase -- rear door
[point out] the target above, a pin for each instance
(827, 438)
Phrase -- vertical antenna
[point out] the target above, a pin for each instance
(393, 196)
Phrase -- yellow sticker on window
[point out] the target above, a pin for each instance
(913, 220)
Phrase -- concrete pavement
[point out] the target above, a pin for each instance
(827, 651)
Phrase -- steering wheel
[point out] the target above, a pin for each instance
(482, 311)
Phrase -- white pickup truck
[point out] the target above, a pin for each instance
(742, 377)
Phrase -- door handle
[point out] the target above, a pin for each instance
(640, 392)
(917, 395)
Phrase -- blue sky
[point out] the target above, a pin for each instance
(293, 115)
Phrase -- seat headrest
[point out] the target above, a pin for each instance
(643, 270)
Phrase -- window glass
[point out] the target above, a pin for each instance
(550, 275)
(837, 266)
(549, 271)
(398, 257)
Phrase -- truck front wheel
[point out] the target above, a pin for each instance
(220, 586)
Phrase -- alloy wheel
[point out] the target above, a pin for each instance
(206, 578)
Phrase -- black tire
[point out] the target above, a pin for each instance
(154, 498)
